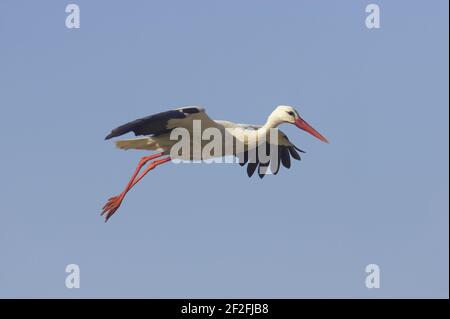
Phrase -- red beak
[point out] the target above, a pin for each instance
(301, 123)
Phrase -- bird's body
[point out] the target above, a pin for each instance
(258, 146)
(248, 135)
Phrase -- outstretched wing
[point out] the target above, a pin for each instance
(164, 122)
(285, 152)
(277, 154)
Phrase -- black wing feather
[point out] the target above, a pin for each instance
(275, 166)
(285, 158)
(262, 170)
(294, 153)
(152, 125)
(251, 167)
(243, 158)
(301, 151)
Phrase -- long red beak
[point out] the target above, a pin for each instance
(302, 124)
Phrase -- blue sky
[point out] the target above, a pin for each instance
(377, 194)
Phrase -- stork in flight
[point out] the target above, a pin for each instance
(156, 130)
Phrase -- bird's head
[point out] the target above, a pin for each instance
(287, 114)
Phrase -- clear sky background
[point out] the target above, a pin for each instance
(377, 194)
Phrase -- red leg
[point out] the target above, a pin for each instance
(149, 168)
(144, 160)
(114, 202)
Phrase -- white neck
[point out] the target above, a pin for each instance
(272, 122)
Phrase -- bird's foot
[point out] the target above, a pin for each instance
(111, 206)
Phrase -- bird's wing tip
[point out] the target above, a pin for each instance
(301, 151)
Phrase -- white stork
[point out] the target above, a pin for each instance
(156, 130)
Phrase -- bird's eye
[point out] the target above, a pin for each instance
(291, 113)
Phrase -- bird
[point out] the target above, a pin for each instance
(155, 134)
